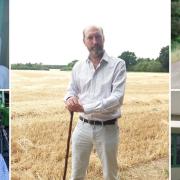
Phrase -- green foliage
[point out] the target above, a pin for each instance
(175, 54)
(175, 22)
(148, 65)
(40, 66)
(71, 64)
(161, 64)
(129, 58)
(36, 66)
(164, 58)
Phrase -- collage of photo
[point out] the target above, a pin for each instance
(89, 90)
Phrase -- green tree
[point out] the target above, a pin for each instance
(175, 22)
(164, 58)
(71, 64)
(129, 58)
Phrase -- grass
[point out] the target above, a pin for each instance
(40, 127)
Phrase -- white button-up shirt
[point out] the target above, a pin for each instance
(100, 90)
(4, 77)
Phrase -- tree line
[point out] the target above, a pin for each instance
(35, 66)
(160, 64)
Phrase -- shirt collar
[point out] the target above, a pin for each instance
(104, 58)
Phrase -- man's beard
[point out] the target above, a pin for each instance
(96, 51)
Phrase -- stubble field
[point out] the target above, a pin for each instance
(40, 127)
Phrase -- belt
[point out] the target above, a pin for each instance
(108, 122)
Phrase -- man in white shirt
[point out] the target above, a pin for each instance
(4, 77)
(96, 91)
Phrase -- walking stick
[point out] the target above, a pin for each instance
(68, 142)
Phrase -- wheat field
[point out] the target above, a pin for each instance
(39, 127)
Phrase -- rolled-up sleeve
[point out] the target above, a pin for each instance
(117, 94)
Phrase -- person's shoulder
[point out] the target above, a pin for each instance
(116, 60)
(3, 69)
(79, 64)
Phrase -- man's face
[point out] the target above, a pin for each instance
(94, 41)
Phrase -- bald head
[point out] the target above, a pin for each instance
(92, 28)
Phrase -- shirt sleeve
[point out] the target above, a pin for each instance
(4, 174)
(72, 87)
(117, 95)
(4, 77)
